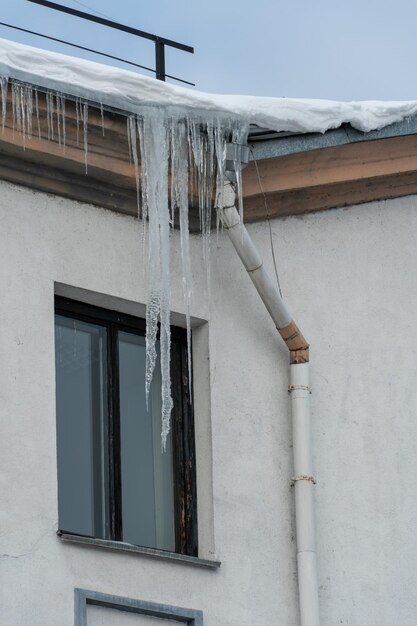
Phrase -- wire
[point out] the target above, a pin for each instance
(105, 22)
(86, 6)
(74, 45)
(103, 54)
(269, 220)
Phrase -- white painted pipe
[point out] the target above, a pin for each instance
(252, 261)
(304, 497)
(300, 407)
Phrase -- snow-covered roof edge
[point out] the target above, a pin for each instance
(129, 91)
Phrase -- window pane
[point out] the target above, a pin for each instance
(147, 474)
(81, 398)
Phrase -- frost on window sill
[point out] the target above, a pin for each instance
(152, 553)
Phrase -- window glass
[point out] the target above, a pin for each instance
(146, 471)
(81, 417)
(114, 481)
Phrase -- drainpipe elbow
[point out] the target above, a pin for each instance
(228, 198)
(296, 343)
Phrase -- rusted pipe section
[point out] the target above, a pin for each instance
(295, 342)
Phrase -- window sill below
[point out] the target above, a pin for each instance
(152, 553)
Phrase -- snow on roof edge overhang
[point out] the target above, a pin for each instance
(270, 145)
(130, 92)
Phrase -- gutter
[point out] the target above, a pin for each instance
(299, 390)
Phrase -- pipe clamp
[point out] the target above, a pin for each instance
(311, 479)
(299, 387)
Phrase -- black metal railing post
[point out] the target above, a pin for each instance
(160, 59)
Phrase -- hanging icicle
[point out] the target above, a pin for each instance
(84, 117)
(4, 88)
(179, 202)
(178, 158)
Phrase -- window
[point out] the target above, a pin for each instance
(93, 607)
(114, 482)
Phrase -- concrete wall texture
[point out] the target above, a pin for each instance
(350, 279)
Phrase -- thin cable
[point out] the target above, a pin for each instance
(103, 54)
(74, 45)
(269, 221)
(86, 6)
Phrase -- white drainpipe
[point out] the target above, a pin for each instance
(299, 389)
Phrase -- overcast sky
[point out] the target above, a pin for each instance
(342, 50)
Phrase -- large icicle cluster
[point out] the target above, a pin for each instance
(177, 154)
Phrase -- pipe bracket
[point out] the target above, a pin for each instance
(310, 479)
(297, 387)
(255, 269)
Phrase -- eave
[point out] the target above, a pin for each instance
(331, 177)
(298, 174)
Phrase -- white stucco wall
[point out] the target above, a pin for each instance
(350, 278)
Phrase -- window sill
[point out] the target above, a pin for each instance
(152, 553)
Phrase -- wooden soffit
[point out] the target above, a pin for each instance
(331, 177)
(293, 184)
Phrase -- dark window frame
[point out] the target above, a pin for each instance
(182, 422)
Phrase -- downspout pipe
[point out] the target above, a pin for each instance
(299, 390)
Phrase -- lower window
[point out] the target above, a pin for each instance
(114, 482)
(93, 607)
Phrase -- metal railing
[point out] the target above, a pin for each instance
(160, 42)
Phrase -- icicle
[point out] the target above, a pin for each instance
(173, 152)
(195, 140)
(144, 181)
(58, 120)
(63, 120)
(4, 83)
(154, 156)
(209, 174)
(179, 199)
(197, 149)
(13, 90)
(29, 110)
(77, 116)
(37, 113)
(50, 115)
(102, 118)
(129, 140)
(24, 108)
(220, 147)
(133, 154)
(17, 113)
(84, 114)
(22, 114)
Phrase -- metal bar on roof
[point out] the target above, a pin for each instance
(160, 42)
(105, 22)
(103, 54)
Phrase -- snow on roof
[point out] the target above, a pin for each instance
(129, 91)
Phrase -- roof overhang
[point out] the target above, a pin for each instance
(299, 171)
